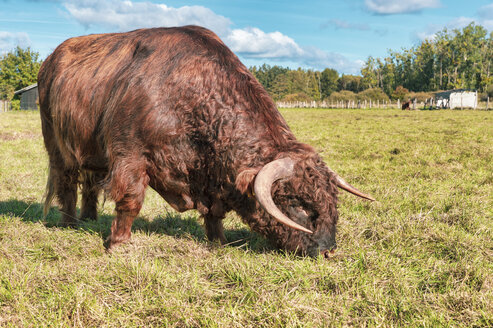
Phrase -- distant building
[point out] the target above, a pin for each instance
(29, 96)
(458, 98)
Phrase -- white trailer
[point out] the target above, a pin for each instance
(459, 98)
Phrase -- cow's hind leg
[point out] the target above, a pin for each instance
(62, 177)
(62, 184)
(91, 188)
(127, 185)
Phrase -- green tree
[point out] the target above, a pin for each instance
(343, 95)
(298, 79)
(328, 82)
(19, 68)
(372, 94)
(472, 39)
(281, 87)
(400, 93)
(487, 64)
(424, 67)
(312, 84)
(370, 73)
(350, 83)
(6, 91)
(388, 76)
(443, 55)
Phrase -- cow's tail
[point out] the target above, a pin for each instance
(50, 191)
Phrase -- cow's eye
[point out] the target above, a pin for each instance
(299, 213)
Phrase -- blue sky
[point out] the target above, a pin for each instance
(339, 34)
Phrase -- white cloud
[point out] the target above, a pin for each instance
(457, 23)
(248, 43)
(345, 25)
(9, 40)
(127, 15)
(486, 12)
(255, 43)
(340, 24)
(428, 33)
(320, 59)
(486, 15)
(388, 7)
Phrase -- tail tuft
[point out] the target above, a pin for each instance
(49, 193)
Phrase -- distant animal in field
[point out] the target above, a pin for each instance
(406, 105)
(175, 110)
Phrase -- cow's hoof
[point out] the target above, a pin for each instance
(68, 224)
(111, 244)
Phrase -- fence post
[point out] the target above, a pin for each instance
(5, 105)
(487, 103)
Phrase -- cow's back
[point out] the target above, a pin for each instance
(95, 89)
(153, 87)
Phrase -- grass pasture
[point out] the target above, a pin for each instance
(422, 256)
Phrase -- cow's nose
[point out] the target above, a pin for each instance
(328, 253)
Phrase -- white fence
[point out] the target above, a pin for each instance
(370, 104)
(5, 105)
(341, 104)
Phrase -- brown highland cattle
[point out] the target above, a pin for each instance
(406, 105)
(175, 109)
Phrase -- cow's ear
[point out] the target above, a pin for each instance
(244, 180)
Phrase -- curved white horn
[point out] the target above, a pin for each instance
(341, 183)
(275, 170)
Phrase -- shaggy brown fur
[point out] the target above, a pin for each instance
(174, 109)
(406, 105)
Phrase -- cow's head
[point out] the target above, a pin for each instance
(302, 195)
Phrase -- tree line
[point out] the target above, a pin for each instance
(18, 69)
(457, 59)
(461, 58)
(285, 84)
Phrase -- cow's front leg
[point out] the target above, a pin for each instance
(127, 188)
(121, 228)
(91, 187)
(213, 222)
(214, 228)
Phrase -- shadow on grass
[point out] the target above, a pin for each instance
(173, 224)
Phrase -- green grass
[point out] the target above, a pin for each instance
(422, 256)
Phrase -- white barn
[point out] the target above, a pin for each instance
(458, 98)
